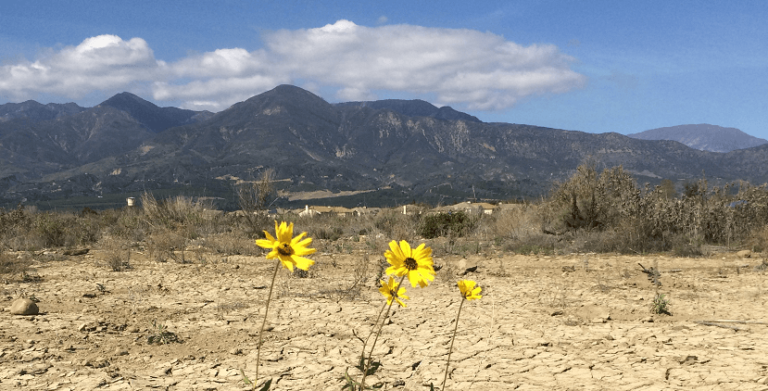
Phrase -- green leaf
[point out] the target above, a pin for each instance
(374, 367)
(266, 385)
(351, 384)
(246, 380)
(361, 366)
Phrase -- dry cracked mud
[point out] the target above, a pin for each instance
(567, 322)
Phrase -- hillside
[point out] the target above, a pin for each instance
(313, 145)
(704, 137)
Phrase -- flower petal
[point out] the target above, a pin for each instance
(303, 263)
(265, 243)
(287, 261)
(406, 249)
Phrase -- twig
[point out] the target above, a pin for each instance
(705, 323)
(736, 321)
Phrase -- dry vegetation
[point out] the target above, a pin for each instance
(591, 213)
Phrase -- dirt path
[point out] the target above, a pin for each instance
(579, 322)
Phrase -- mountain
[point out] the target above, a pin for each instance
(35, 111)
(155, 118)
(703, 137)
(42, 147)
(398, 151)
(414, 108)
(38, 140)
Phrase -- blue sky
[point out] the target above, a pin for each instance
(595, 66)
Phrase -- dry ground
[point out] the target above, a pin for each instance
(575, 322)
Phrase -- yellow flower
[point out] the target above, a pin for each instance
(468, 290)
(392, 290)
(289, 250)
(416, 263)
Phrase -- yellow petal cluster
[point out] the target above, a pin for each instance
(469, 290)
(415, 263)
(392, 291)
(289, 250)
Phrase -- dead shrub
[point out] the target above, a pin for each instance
(165, 244)
(12, 265)
(608, 213)
(117, 254)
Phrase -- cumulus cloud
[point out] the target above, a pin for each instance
(466, 68)
(104, 62)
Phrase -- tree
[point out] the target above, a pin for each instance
(667, 188)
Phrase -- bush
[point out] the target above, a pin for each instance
(51, 228)
(456, 224)
(333, 233)
(608, 212)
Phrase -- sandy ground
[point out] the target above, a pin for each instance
(576, 322)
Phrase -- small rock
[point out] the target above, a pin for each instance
(744, 254)
(461, 266)
(161, 372)
(81, 251)
(38, 369)
(98, 362)
(25, 307)
(236, 351)
(689, 360)
(556, 313)
(121, 352)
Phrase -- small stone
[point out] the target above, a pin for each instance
(121, 352)
(556, 313)
(25, 307)
(236, 351)
(744, 254)
(689, 360)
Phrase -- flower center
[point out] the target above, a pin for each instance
(411, 264)
(285, 249)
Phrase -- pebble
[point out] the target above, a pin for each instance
(24, 307)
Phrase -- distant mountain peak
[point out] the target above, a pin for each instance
(35, 111)
(414, 108)
(703, 137)
(155, 118)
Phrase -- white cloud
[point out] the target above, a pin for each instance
(465, 68)
(104, 62)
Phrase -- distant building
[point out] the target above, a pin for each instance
(469, 208)
(322, 210)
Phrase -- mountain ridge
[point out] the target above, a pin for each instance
(315, 145)
(704, 137)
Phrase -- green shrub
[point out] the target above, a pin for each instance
(51, 228)
(456, 224)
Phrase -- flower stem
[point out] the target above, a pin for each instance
(370, 355)
(365, 343)
(264, 322)
(450, 350)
